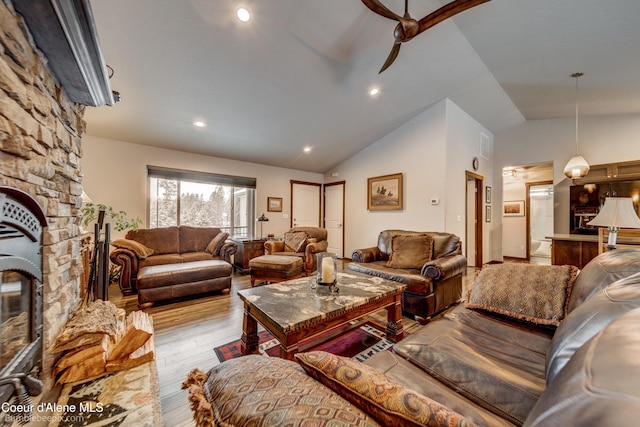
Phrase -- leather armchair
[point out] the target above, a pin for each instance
(316, 241)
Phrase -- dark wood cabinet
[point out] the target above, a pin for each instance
(573, 251)
(611, 172)
(248, 248)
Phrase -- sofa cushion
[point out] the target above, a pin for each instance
(590, 318)
(216, 243)
(196, 239)
(160, 259)
(410, 250)
(532, 293)
(598, 386)
(254, 388)
(388, 402)
(601, 271)
(295, 241)
(138, 248)
(162, 240)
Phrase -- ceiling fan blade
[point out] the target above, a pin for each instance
(446, 12)
(392, 56)
(380, 9)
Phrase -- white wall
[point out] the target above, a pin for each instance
(115, 174)
(601, 140)
(433, 150)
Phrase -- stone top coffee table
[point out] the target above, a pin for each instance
(294, 313)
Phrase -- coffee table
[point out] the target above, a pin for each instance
(295, 314)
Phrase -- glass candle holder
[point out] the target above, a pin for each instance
(327, 268)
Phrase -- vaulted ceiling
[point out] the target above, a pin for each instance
(298, 73)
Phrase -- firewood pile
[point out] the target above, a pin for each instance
(100, 338)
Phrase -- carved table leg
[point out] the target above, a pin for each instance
(249, 341)
(394, 320)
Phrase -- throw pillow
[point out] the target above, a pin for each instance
(216, 243)
(410, 250)
(532, 293)
(295, 241)
(375, 393)
(138, 248)
(258, 390)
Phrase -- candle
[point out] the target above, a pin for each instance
(327, 270)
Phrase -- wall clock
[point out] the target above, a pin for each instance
(475, 163)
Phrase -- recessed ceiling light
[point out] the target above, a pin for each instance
(374, 91)
(307, 149)
(243, 14)
(199, 124)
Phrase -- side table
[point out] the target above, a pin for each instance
(248, 248)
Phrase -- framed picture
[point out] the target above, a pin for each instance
(274, 204)
(487, 213)
(384, 192)
(514, 208)
(487, 195)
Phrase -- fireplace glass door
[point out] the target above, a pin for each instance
(15, 310)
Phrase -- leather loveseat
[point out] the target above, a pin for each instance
(533, 346)
(176, 261)
(429, 263)
(301, 242)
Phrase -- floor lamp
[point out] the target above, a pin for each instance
(617, 213)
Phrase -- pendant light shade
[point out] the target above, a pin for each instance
(577, 167)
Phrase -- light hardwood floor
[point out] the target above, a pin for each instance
(186, 332)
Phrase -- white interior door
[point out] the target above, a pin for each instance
(305, 204)
(334, 217)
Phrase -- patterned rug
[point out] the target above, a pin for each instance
(122, 399)
(359, 343)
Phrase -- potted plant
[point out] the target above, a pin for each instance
(119, 219)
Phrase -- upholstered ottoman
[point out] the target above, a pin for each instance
(168, 281)
(275, 268)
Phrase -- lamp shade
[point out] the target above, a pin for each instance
(617, 212)
(576, 167)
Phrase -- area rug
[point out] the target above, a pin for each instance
(359, 343)
(122, 399)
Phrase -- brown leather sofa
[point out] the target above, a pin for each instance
(302, 242)
(176, 261)
(434, 280)
(475, 366)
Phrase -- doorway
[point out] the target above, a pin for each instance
(473, 240)
(334, 217)
(539, 221)
(305, 204)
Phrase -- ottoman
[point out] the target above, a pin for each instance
(275, 268)
(168, 281)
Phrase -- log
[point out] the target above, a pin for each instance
(88, 368)
(142, 355)
(97, 318)
(78, 356)
(138, 328)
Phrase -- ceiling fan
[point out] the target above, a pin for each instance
(408, 27)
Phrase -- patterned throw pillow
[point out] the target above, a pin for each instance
(138, 248)
(264, 391)
(217, 243)
(410, 250)
(295, 241)
(374, 392)
(533, 293)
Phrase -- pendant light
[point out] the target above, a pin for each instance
(577, 167)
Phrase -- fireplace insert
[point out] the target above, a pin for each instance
(21, 225)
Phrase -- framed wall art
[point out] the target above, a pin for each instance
(384, 192)
(513, 208)
(274, 204)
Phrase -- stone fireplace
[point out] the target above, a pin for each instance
(41, 132)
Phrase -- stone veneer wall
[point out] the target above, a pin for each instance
(40, 151)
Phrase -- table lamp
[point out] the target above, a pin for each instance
(261, 219)
(617, 213)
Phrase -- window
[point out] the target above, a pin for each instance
(201, 200)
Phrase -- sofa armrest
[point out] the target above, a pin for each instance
(127, 260)
(316, 247)
(366, 255)
(228, 248)
(273, 246)
(444, 267)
